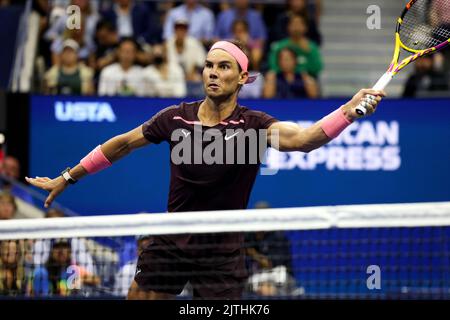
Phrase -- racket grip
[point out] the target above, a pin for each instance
(380, 85)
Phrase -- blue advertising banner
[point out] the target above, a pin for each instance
(400, 154)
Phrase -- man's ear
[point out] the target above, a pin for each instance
(243, 77)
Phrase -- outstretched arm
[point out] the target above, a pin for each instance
(292, 137)
(113, 149)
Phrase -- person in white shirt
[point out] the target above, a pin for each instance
(202, 21)
(123, 77)
(187, 51)
(163, 78)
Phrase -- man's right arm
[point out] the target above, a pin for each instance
(113, 149)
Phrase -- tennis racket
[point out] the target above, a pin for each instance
(423, 28)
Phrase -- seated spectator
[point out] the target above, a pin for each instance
(8, 206)
(296, 7)
(80, 253)
(289, 83)
(89, 16)
(201, 21)
(10, 169)
(253, 90)
(61, 276)
(190, 54)
(106, 42)
(12, 272)
(133, 20)
(70, 77)
(425, 79)
(241, 33)
(123, 77)
(241, 11)
(307, 52)
(164, 78)
(86, 44)
(125, 275)
(269, 260)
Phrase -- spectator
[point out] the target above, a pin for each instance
(106, 42)
(425, 79)
(8, 206)
(241, 11)
(61, 275)
(253, 90)
(269, 260)
(125, 275)
(308, 54)
(296, 7)
(10, 169)
(70, 77)
(86, 45)
(289, 83)
(134, 20)
(201, 21)
(164, 78)
(123, 77)
(190, 54)
(241, 33)
(12, 272)
(81, 255)
(89, 16)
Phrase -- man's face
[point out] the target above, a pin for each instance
(69, 56)
(181, 31)
(127, 53)
(7, 209)
(9, 252)
(287, 61)
(221, 74)
(11, 168)
(297, 27)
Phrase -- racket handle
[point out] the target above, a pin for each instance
(380, 85)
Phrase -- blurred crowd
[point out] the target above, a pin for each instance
(157, 49)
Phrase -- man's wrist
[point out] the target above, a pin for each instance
(348, 113)
(67, 177)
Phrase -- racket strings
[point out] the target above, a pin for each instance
(426, 24)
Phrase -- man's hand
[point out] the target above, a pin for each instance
(369, 97)
(54, 186)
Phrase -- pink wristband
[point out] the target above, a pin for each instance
(334, 123)
(95, 161)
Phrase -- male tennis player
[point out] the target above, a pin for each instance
(169, 262)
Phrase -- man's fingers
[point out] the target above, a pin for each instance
(373, 92)
(49, 199)
(34, 182)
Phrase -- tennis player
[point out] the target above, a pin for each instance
(169, 262)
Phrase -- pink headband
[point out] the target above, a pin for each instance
(236, 53)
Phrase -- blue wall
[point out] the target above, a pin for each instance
(401, 154)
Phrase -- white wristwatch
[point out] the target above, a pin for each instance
(66, 175)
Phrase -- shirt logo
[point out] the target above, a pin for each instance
(229, 137)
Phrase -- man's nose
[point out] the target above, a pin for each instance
(213, 73)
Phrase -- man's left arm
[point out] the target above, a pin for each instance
(292, 137)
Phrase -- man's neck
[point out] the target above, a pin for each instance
(212, 111)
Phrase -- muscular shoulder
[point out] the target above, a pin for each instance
(257, 119)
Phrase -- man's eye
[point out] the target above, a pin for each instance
(224, 66)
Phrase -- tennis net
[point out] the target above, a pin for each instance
(383, 251)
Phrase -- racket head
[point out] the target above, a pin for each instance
(424, 25)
